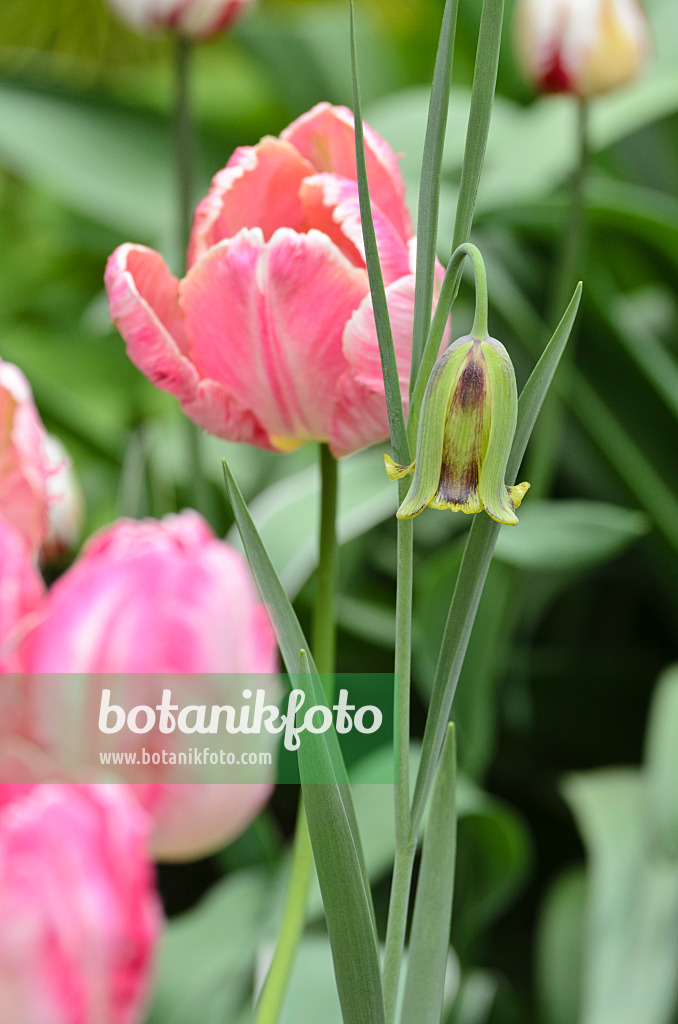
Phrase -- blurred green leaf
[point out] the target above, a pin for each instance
(561, 535)
(560, 949)
(287, 514)
(107, 163)
(206, 955)
(631, 958)
(662, 765)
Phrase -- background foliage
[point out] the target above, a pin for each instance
(560, 856)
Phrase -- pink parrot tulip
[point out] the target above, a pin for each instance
(270, 336)
(24, 461)
(195, 19)
(80, 917)
(148, 598)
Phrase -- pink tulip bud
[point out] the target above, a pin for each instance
(586, 47)
(24, 464)
(148, 598)
(66, 510)
(80, 917)
(270, 337)
(195, 19)
(21, 591)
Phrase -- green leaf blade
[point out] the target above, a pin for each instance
(339, 863)
(431, 923)
(429, 193)
(394, 402)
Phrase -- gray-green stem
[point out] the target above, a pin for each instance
(446, 298)
(323, 643)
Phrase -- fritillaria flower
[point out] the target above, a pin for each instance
(585, 47)
(468, 420)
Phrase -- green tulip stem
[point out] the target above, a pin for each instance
(323, 644)
(185, 159)
(448, 293)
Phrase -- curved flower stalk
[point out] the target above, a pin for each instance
(586, 47)
(146, 598)
(270, 336)
(80, 915)
(193, 19)
(468, 421)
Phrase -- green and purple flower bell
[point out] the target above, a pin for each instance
(468, 419)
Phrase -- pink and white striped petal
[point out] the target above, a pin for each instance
(332, 205)
(325, 137)
(265, 321)
(143, 298)
(259, 187)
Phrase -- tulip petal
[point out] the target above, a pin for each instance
(325, 136)
(266, 320)
(361, 347)
(332, 205)
(259, 187)
(143, 300)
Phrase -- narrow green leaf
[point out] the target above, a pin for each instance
(480, 115)
(430, 937)
(662, 765)
(482, 99)
(345, 892)
(474, 567)
(429, 189)
(289, 633)
(394, 402)
(283, 617)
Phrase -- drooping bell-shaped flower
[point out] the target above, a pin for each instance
(468, 419)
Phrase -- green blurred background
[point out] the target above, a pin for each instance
(566, 906)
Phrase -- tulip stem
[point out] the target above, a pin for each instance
(323, 632)
(185, 150)
(184, 141)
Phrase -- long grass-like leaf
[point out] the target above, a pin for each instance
(480, 115)
(389, 366)
(289, 634)
(475, 564)
(345, 892)
(429, 189)
(430, 937)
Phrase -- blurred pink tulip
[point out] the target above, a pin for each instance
(21, 592)
(586, 47)
(66, 511)
(195, 19)
(80, 917)
(24, 464)
(148, 598)
(270, 337)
